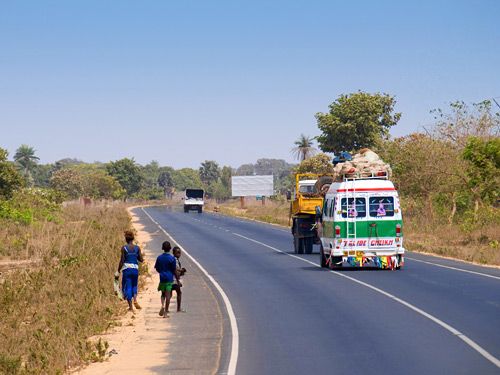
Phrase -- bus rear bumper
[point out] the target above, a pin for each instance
(384, 259)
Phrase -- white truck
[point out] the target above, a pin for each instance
(193, 200)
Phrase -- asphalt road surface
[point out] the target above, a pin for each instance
(435, 316)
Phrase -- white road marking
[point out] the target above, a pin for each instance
(446, 326)
(453, 268)
(233, 358)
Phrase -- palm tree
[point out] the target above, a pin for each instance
(209, 172)
(304, 148)
(26, 159)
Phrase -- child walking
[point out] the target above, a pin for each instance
(166, 266)
(177, 283)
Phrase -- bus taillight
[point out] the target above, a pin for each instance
(398, 230)
(337, 231)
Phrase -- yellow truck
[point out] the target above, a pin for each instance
(304, 209)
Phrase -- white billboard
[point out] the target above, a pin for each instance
(252, 186)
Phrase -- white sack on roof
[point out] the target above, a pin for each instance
(366, 163)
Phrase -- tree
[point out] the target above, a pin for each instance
(463, 122)
(483, 169)
(127, 173)
(219, 191)
(66, 162)
(225, 176)
(26, 159)
(275, 167)
(279, 168)
(166, 182)
(425, 167)
(209, 172)
(186, 178)
(245, 170)
(355, 121)
(41, 175)
(304, 148)
(98, 184)
(151, 173)
(10, 179)
(320, 164)
(67, 181)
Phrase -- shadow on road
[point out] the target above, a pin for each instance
(311, 268)
(344, 269)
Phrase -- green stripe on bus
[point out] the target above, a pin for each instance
(365, 228)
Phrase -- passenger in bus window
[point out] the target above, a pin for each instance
(381, 210)
(352, 212)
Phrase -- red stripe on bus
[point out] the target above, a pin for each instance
(365, 190)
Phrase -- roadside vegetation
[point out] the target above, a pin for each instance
(61, 293)
(449, 180)
(64, 295)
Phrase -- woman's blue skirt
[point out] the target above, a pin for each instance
(129, 282)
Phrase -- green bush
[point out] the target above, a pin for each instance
(150, 193)
(18, 215)
(484, 217)
(27, 205)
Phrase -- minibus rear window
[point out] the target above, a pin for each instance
(358, 210)
(381, 206)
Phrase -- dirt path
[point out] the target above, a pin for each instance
(185, 343)
(141, 343)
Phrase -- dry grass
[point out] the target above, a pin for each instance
(49, 311)
(480, 245)
(422, 234)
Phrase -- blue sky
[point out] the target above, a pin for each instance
(231, 81)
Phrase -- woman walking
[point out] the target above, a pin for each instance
(131, 255)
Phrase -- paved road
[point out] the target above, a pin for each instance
(296, 318)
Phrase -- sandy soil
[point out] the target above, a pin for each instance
(141, 343)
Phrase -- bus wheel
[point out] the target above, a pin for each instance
(298, 245)
(308, 245)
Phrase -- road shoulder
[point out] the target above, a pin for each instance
(185, 343)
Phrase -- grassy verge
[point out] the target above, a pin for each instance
(479, 245)
(48, 311)
(423, 233)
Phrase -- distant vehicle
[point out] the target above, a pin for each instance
(361, 224)
(193, 200)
